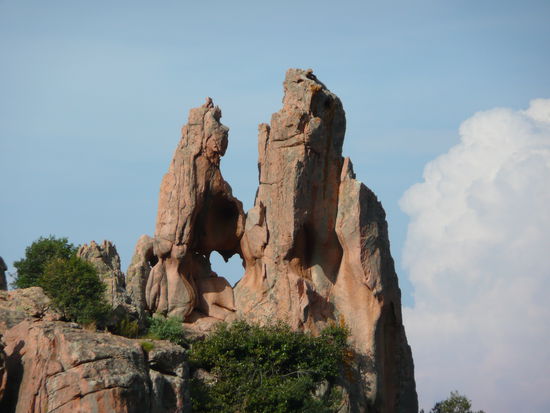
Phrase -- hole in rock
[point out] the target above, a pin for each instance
(232, 270)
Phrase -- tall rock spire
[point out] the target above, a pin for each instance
(197, 214)
(316, 246)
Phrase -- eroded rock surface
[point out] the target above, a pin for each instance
(104, 257)
(59, 367)
(139, 270)
(197, 214)
(316, 246)
(22, 304)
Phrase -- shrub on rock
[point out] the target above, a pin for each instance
(37, 256)
(75, 290)
(243, 367)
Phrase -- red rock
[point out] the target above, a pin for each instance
(25, 303)
(316, 247)
(197, 214)
(57, 366)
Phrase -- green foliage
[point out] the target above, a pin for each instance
(170, 329)
(37, 256)
(147, 346)
(456, 403)
(127, 328)
(75, 289)
(266, 369)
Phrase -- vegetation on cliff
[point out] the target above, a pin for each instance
(245, 367)
(456, 403)
(73, 284)
(37, 256)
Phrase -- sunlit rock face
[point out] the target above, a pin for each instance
(55, 366)
(315, 244)
(197, 214)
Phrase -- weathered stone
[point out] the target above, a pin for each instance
(316, 247)
(22, 304)
(3, 269)
(138, 272)
(59, 367)
(197, 214)
(106, 260)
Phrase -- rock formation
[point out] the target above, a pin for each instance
(22, 304)
(197, 214)
(106, 260)
(315, 251)
(138, 272)
(3, 269)
(316, 246)
(104, 257)
(59, 367)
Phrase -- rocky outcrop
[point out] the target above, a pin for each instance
(197, 214)
(23, 304)
(3, 269)
(316, 246)
(59, 367)
(104, 257)
(138, 272)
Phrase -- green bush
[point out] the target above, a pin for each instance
(37, 256)
(266, 369)
(75, 290)
(147, 346)
(456, 403)
(127, 328)
(171, 329)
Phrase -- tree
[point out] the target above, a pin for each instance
(456, 403)
(247, 368)
(37, 256)
(75, 289)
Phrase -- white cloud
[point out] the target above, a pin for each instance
(478, 254)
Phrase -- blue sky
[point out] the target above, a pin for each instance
(93, 95)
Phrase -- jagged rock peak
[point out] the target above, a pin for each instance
(104, 257)
(316, 247)
(197, 214)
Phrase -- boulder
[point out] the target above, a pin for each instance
(25, 303)
(59, 367)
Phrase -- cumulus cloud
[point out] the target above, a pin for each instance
(478, 255)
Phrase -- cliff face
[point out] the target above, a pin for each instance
(315, 245)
